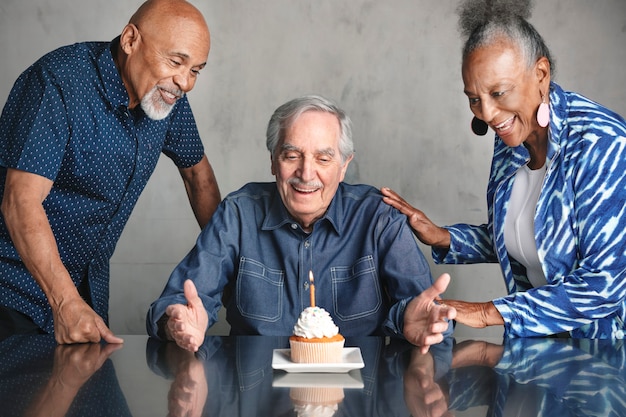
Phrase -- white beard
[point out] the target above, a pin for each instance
(154, 106)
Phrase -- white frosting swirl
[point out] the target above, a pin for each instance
(315, 322)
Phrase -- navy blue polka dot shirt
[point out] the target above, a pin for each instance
(67, 119)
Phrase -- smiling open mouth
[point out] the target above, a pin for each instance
(304, 187)
(169, 96)
(505, 126)
(304, 190)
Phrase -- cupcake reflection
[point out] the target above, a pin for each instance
(316, 401)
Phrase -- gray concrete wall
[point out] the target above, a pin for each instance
(393, 65)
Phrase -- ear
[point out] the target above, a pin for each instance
(129, 38)
(542, 72)
(344, 169)
(272, 165)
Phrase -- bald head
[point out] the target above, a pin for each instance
(161, 52)
(155, 16)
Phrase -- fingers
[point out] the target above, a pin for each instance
(179, 326)
(191, 293)
(106, 334)
(428, 341)
(109, 348)
(441, 314)
(188, 343)
(388, 192)
(82, 325)
(449, 312)
(182, 337)
(392, 198)
(176, 318)
(174, 311)
(428, 321)
(440, 285)
(187, 323)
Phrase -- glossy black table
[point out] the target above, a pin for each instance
(233, 376)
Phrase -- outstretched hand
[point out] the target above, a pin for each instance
(187, 324)
(425, 230)
(425, 321)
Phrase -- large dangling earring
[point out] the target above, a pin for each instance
(543, 113)
(479, 127)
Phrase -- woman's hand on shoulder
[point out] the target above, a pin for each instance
(425, 230)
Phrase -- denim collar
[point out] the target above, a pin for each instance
(278, 216)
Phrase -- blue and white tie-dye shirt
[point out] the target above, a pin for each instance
(580, 226)
(67, 119)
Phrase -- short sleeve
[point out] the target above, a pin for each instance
(33, 129)
(183, 144)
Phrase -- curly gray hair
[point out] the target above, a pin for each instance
(483, 22)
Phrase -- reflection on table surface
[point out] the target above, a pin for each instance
(233, 376)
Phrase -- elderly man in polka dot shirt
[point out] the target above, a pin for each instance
(80, 135)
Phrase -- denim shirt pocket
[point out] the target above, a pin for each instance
(259, 291)
(359, 283)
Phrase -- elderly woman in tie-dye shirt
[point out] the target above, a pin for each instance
(556, 194)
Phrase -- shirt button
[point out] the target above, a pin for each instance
(307, 244)
(294, 226)
(306, 285)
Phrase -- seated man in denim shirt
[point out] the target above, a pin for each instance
(255, 254)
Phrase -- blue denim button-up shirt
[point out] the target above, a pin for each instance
(365, 260)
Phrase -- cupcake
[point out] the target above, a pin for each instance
(315, 338)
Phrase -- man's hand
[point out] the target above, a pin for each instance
(76, 322)
(31, 233)
(187, 324)
(424, 320)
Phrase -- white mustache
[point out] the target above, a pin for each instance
(299, 183)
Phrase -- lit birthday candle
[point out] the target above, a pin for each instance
(312, 288)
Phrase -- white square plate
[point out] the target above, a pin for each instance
(351, 359)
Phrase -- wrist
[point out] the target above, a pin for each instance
(162, 331)
(443, 238)
(492, 316)
(65, 297)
